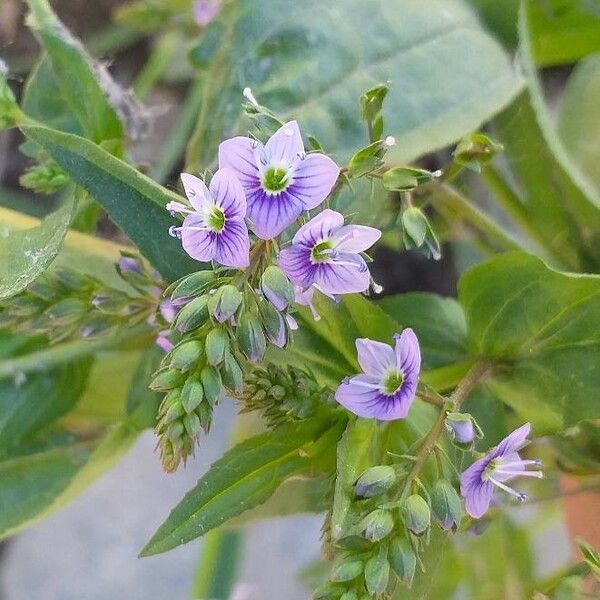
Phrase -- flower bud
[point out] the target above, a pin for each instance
(327, 591)
(251, 338)
(129, 264)
(192, 285)
(445, 505)
(191, 422)
(165, 380)
(366, 160)
(224, 303)
(405, 179)
(217, 345)
(375, 481)
(476, 150)
(461, 428)
(376, 525)
(274, 324)
(233, 378)
(371, 102)
(212, 383)
(67, 311)
(277, 288)
(418, 233)
(417, 515)
(185, 355)
(10, 113)
(347, 570)
(192, 394)
(349, 595)
(192, 315)
(377, 573)
(403, 559)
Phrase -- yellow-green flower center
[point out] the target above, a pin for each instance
(393, 382)
(275, 179)
(321, 252)
(216, 219)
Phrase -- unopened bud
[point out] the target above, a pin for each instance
(376, 525)
(251, 337)
(417, 515)
(461, 428)
(165, 380)
(185, 356)
(233, 378)
(217, 346)
(476, 150)
(403, 559)
(212, 383)
(327, 591)
(192, 285)
(375, 481)
(192, 315)
(223, 304)
(346, 571)
(349, 595)
(405, 179)
(418, 233)
(67, 311)
(192, 425)
(277, 288)
(445, 505)
(192, 394)
(129, 264)
(377, 573)
(274, 324)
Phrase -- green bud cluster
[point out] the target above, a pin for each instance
(65, 304)
(45, 178)
(10, 113)
(281, 394)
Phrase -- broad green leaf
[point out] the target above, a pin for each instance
(579, 120)
(313, 60)
(27, 253)
(438, 322)
(243, 478)
(541, 328)
(76, 75)
(29, 403)
(134, 201)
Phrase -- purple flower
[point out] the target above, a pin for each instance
(326, 253)
(163, 341)
(205, 11)
(215, 228)
(501, 464)
(386, 389)
(280, 179)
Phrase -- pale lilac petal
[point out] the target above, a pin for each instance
(356, 238)
(164, 343)
(360, 395)
(205, 11)
(238, 154)
(285, 145)
(314, 177)
(271, 214)
(319, 228)
(232, 246)
(346, 274)
(295, 263)
(477, 501)
(399, 404)
(228, 194)
(196, 191)
(513, 442)
(199, 244)
(374, 358)
(408, 354)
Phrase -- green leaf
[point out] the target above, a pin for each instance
(243, 478)
(541, 327)
(134, 201)
(76, 75)
(27, 253)
(579, 119)
(313, 61)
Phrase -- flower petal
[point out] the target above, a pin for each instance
(196, 191)
(514, 441)
(271, 214)
(228, 194)
(238, 154)
(232, 247)
(356, 238)
(374, 358)
(476, 492)
(295, 263)
(408, 354)
(319, 228)
(285, 145)
(346, 274)
(360, 395)
(198, 243)
(313, 179)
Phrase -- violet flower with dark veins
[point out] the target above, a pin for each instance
(280, 180)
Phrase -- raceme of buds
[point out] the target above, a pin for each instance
(45, 178)
(445, 505)
(376, 525)
(417, 516)
(462, 428)
(375, 481)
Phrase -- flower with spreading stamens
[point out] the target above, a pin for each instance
(326, 253)
(501, 464)
(386, 388)
(214, 229)
(280, 179)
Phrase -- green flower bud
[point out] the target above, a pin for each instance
(371, 102)
(375, 481)
(376, 525)
(67, 311)
(192, 315)
(165, 380)
(273, 323)
(25, 306)
(347, 570)
(417, 515)
(174, 411)
(10, 113)
(349, 595)
(192, 394)
(46, 178)
(175, 430)
(367, 160)
(74, 280)
(233, 377)
(445, 505)
(192, 424)
(217, 346)
(251, 337)
(405, 179)
(418, 233)
(476, 150)
(403, 559)
(192, 285)
(327, 591)
(223, 304)
(277, 288)
(377, 573)
(185, 356)
(213, 385)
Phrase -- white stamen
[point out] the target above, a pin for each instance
(389, 141)
(247, 93)
(177, 207)
(520, 463)
(520, 496)
(437, 173)
(537, 474)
